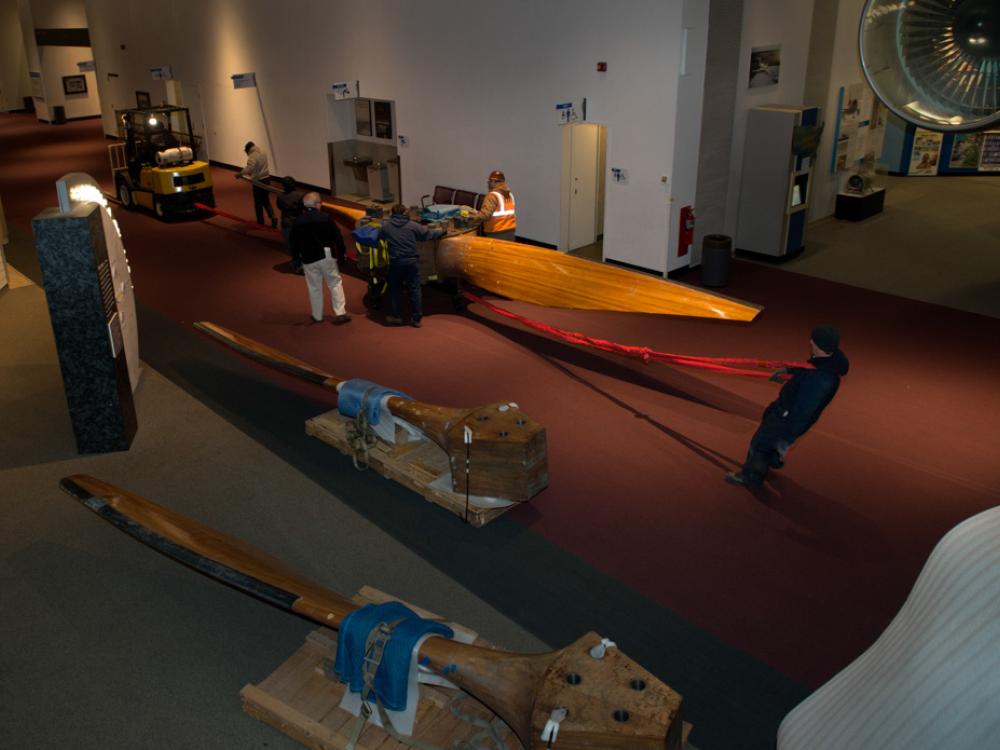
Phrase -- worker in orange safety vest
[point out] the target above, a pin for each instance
(497, 211)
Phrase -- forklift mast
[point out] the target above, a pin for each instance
(158, 135)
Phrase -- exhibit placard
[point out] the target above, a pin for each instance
(87, 66)
(244, 80)
(162, 73)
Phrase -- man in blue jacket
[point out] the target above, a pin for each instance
(802, 399)
(402, 236)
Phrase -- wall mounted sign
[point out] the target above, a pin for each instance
(346, 90)
(566, 113)
(244, 80)
(162, 73)
(87, 66)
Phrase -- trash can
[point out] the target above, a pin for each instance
(58, 115)
(716, 250)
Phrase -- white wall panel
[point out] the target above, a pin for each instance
(474, 87)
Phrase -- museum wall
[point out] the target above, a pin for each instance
(55, 62)
(768, 23)
(687, 137)
(474, 90)
(14, 81)
(715, 146)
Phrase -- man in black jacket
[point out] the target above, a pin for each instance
(316, 245)
(402, 236)
(801, 400)
(290, 205)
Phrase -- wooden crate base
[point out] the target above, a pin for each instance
(416, 463)
(299, 700)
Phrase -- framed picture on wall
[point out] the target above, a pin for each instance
(765, 66)
(142, 100)
(74, 85)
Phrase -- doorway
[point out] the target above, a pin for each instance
(584, 150)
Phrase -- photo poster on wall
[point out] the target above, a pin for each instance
(966, 151)
(989, 159)
(765, 66)
(925, 154)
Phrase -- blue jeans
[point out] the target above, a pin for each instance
(405, 274)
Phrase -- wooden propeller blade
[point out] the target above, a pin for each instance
(546, 277)
(612, 702)
(511, 450)
(350, 215)
(268, 356)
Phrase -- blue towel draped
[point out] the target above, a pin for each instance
(393, 673)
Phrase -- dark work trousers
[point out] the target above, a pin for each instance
(261, 203)
(405, 274)
(767, 448)
(286, 232)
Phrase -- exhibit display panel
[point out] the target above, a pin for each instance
(93, 321)
(778, 161)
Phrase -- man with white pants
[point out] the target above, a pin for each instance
(317, 245)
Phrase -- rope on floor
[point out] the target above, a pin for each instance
(723, 365)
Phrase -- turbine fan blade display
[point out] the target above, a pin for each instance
(935, 63)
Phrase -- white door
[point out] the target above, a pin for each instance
(584, 144)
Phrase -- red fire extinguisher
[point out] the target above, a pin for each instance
(685, 237)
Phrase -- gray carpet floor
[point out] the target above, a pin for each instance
(938, 240)
(150, 669)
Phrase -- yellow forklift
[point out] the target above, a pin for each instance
(156, 165)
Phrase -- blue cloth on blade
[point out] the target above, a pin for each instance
(366, 235)
(394, 671)
(352, 395)
(438, 211)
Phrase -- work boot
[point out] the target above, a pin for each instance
(735, 477)
(415, 323)
(392, 320)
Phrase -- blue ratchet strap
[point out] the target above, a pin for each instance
(357, 394)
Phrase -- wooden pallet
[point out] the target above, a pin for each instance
(299, 700)
(416, 463)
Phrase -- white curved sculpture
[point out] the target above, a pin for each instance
(932, 679)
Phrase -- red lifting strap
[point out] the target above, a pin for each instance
(724, 365)
(252, 224)
(234, 217)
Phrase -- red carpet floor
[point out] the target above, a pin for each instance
(803, 575)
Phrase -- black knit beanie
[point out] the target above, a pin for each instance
(826, 338)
